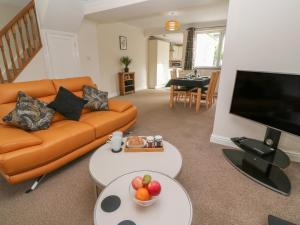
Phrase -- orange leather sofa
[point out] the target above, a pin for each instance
(25, 155)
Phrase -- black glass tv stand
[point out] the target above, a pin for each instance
(266, 168)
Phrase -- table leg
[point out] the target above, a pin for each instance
(171, 101)
(98, 191)
(198, 100)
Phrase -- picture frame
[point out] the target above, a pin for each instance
(123, 42)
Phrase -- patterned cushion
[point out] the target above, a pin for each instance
(97, 100)
(30, 114)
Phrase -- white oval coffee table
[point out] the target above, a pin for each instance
(105, 166)
(173, 206)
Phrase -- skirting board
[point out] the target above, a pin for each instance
(112, 94)
(115, 94)
(294, 156)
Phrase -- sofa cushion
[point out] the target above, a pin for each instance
(106, 122)
(118, 105)
(59, 140)
(97, 100)
(13, 139)
(68, 104)
(30, 114)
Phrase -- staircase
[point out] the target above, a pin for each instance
(20, 41)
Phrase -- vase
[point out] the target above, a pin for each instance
(126, 69)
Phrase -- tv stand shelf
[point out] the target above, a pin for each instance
(276, 158)
(266, 169)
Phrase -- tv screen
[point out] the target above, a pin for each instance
(269, 98)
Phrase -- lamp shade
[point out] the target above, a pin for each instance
(172, 25)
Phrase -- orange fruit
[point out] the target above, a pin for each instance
(142, 194)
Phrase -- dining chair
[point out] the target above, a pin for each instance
(178, 93)
(197, 94)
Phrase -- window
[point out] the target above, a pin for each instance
(209, 48)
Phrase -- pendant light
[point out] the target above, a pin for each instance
(173, 24)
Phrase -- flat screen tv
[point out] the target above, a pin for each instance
(272, 99)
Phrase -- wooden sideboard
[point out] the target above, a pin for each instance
(126, 83)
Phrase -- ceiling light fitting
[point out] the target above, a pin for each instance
(173, 24)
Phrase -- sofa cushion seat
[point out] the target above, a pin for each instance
(106, 122)
(13, 139)
(60, 139)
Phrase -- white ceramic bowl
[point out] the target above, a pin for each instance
(132, 192)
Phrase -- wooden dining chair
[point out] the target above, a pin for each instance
(177, 94)
(197, 95)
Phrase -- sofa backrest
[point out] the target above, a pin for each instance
(45, 90)
(73, 84)
(37, 89)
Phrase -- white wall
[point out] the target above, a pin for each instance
(50, 17)
(7, 12)
(110, 54)
(59, 22)
(261, 36)
(89, 50)
(60, 15)
(35, 70)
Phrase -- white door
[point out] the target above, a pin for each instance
(62, 54)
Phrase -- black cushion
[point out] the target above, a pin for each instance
(68, 104)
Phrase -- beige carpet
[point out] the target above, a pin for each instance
(220, 194)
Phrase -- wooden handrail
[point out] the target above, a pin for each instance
(20, 41)
(17, 17)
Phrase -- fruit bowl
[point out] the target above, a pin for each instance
(132, 192)
(144, 191)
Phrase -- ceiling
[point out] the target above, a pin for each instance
(176, 38)
(154, 13)
(16, 3)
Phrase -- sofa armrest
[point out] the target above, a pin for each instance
(118, 105)
(12, 139)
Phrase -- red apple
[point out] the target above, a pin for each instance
(154, 188)
(137, 183)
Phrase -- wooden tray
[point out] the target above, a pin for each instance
(144, 149)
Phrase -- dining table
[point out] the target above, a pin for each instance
(190, 82)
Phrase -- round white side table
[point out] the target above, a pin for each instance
(105, 165)
(173, 206)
